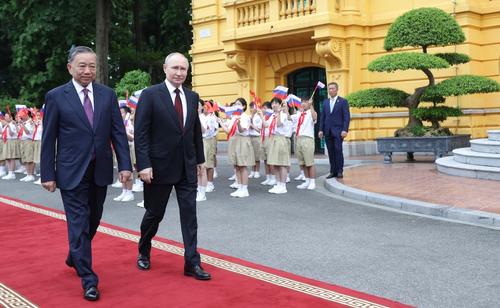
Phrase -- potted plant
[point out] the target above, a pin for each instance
(422, 28)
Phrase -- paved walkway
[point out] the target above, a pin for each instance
(421, 182)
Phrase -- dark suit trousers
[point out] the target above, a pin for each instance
(155, 201)
(83, 206)
(335, 154)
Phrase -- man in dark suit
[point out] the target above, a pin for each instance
(334, 125)
(81, 118)
(169, 150)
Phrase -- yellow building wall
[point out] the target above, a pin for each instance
(242, 45)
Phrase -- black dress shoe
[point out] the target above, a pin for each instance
(91, 294)
(340, 176)
(143, 263)
(331, 175)
(69, 262)
(197, 272)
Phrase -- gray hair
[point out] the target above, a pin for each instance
(75, 50)
(175, 54)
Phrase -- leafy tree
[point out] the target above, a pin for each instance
(132, 81)
(423, 28)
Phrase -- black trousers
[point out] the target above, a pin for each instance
(155, 202)
(335, 153)
(83, 206)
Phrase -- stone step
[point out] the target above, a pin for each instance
(485, 146)
(494, 135)
(467, 156)
(450, 166)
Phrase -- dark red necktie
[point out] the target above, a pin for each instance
(178, 107)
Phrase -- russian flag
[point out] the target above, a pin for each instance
(2, 115)
(42, 110)
(268, 113)
(280, 92)
(293, 101)
(122, 103)
(132, 102)
(20, 107)
(320, 85)
(230, 111)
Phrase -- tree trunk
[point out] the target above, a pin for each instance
(103, 19)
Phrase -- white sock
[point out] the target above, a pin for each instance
(302, 172)
(244, 187)
(312, 181)
(210, 183)
(273, 177)
(11, 172)
(307, 182)
(202, 189)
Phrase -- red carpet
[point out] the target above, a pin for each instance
(34, 246)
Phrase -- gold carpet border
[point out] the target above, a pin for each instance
(11, 299)
(311, 290)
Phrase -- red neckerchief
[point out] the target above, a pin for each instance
(272, 127)
(301, 121)
(4, 133)
(21, 131)
(34, 132)
(233, 129)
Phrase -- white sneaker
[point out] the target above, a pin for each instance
(280, 190)
(256, 175)
(128, 197)
(210, 188)
(272, 182)
(287, 179)
(200, 197)
(120, 197)
(232, 178)
(301, 177)
(235, 185)
(117, 184)
(235, 193)
(21, 169)
(2, 173)
(138, 187)
(250, 176)
(10, 176)
(242, 193)
(138, 181)
(23, 179)
(141, 204)
(273, 189)
(303, 185)
(29, 178)
(38, 182)
(265, 182)
(311, 186)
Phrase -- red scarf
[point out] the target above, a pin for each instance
(4, 133)
(20, 134)
(34, 133)
(272, 127)
(233, 129)
(301, 121)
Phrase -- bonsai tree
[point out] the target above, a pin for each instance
(423, 28)
(132, 81)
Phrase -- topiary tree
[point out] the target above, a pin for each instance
(132, 81)
(423, 28)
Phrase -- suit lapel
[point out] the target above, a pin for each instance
(98, 105)
(337, 105)
(166, 100)
(74, 101)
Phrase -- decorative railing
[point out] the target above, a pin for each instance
(296, 8)
(253, 14)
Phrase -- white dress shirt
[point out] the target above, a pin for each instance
(171, 90)
(79, 89)
(333, 100)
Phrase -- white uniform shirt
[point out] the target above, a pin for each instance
(13, 128)
(209, 122)
(283, 130)
(307, 127)
(129, 128)
(38, 133)
(257, 122)
(29, 125)
(245, 124)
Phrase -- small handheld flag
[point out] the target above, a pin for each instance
(280, 92)
(132, 102)
(20, 107)
(230, 111)
(320, 85)
(255, 99)
(293, 101)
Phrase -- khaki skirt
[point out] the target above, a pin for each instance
(305, 151)
(264, 149)
(27, 150)
(1, 149)
(279, 152)
(240, 151)
(11, 149)
(256, 145)
(37, 151)
(210, 150)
